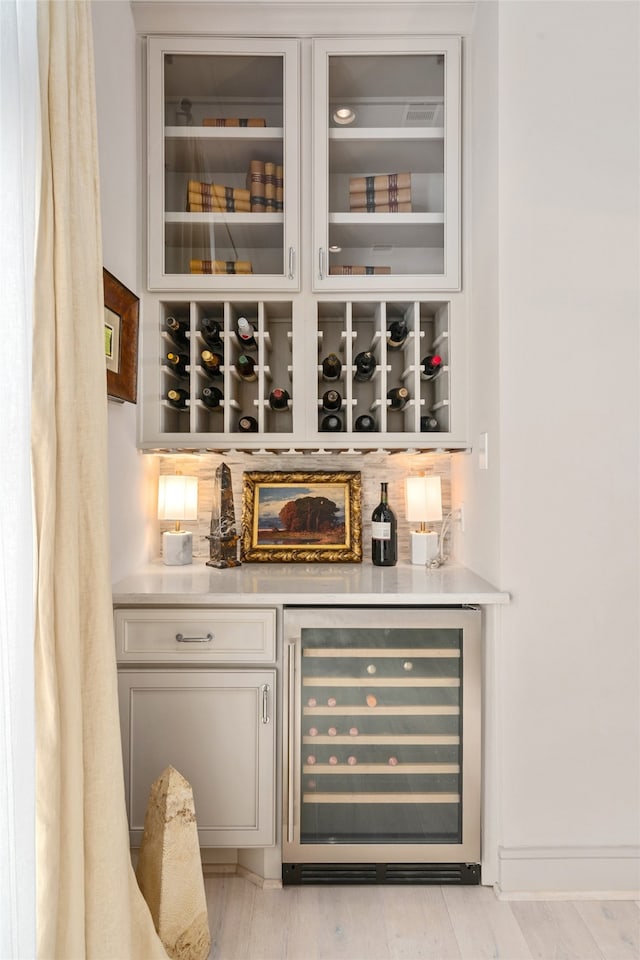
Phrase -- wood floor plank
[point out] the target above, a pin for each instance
(614, 925)
(484, 926)
(554, 930)
(351, 925)
(230, 902)
(418, 924)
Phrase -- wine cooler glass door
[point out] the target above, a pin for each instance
(382, 714)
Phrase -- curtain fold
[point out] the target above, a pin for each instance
(88, 901)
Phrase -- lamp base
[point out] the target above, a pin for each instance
(177, 547)
(423, 547)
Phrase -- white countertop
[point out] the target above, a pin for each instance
(259, 584)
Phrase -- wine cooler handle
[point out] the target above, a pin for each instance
(292, 263)
(321, 263)
(265, 703)
(182, 639)
(291, 665)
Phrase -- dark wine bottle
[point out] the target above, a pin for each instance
(279, 399)
(211, 331)
(398, 333)
(178, 398)
(331, 367)
(428, 424)
(212, 397)
(431, 365)
(384, 533)
(178, 363)
(331, 401)
(248, 425)
(365, 423)
(398, 398)
(365, 364)
(212, 363)
(245, 332)
(246, 367)
(331, 423)
(177, 330)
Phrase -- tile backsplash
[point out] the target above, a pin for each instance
(373, 467)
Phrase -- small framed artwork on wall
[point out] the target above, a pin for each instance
(121, 319)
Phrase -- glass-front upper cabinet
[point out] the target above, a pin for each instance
(222, 163)
(387, 164)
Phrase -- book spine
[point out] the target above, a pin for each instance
(356, 270)
(383, 181)
(370, 199)
(199, 204)
(199, 188)
(220, 266)
(256, 186)
(270, 187)
(234, 122)
(279, 187)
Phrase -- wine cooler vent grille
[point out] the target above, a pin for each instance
(382, 873)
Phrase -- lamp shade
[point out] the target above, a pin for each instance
(178, 498)
(424, 499)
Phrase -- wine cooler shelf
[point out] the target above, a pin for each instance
(252, 375)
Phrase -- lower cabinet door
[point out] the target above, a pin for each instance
(216, 728)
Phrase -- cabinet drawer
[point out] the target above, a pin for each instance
(195, 636)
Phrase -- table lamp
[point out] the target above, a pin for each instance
(177, 500)
(424, 505)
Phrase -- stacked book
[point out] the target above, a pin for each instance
(265, 183)
(356, 270)
(216, 198)
(234, 122)
(220, 266)
(384, 193)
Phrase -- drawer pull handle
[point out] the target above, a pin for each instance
(182, 639)
(265, 703)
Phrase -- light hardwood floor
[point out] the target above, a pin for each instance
(411, 923)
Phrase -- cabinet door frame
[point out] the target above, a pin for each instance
(450, 279)
(157, 276)
(133, 683)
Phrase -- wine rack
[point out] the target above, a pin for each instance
(383, 744)
(350, 328)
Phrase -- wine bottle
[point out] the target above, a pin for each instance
(365, 423)
(384, 533)
(246, 367)
(212, 397)
(211, 331)
(177, 330)
(178, 363)
(331, 367)
(178, 398)
(331, 401)
(279, 399)
(331, 423)
(431, 365)
(365, 364)
(398, 398)
(212, 363)
(248, 425)
(398, 332)
(428, 424)
(245, 332)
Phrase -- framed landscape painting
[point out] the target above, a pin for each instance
(302, 516)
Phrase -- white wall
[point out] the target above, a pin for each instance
(567, 478)
(130, 474)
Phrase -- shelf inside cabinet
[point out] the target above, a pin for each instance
(193, 230)
(223, 149)
(365, 152)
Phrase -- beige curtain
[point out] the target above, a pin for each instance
(88, 902)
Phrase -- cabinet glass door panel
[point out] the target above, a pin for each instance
(222, 119)
(387, 211)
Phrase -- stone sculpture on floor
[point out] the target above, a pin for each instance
(169, 870)
(223, 538)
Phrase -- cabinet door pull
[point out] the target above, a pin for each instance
(182, 639)
(292, 263)
(291, 665)
(320, 263)
(265, 703)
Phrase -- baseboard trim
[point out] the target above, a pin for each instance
(569, 873)
(236, 870)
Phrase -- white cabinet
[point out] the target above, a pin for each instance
(386, 163)
(222, 161)
(215, 724)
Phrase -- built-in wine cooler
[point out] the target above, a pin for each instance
(382, 745)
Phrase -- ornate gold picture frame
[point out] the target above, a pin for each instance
(121, 317)
(306, 517)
